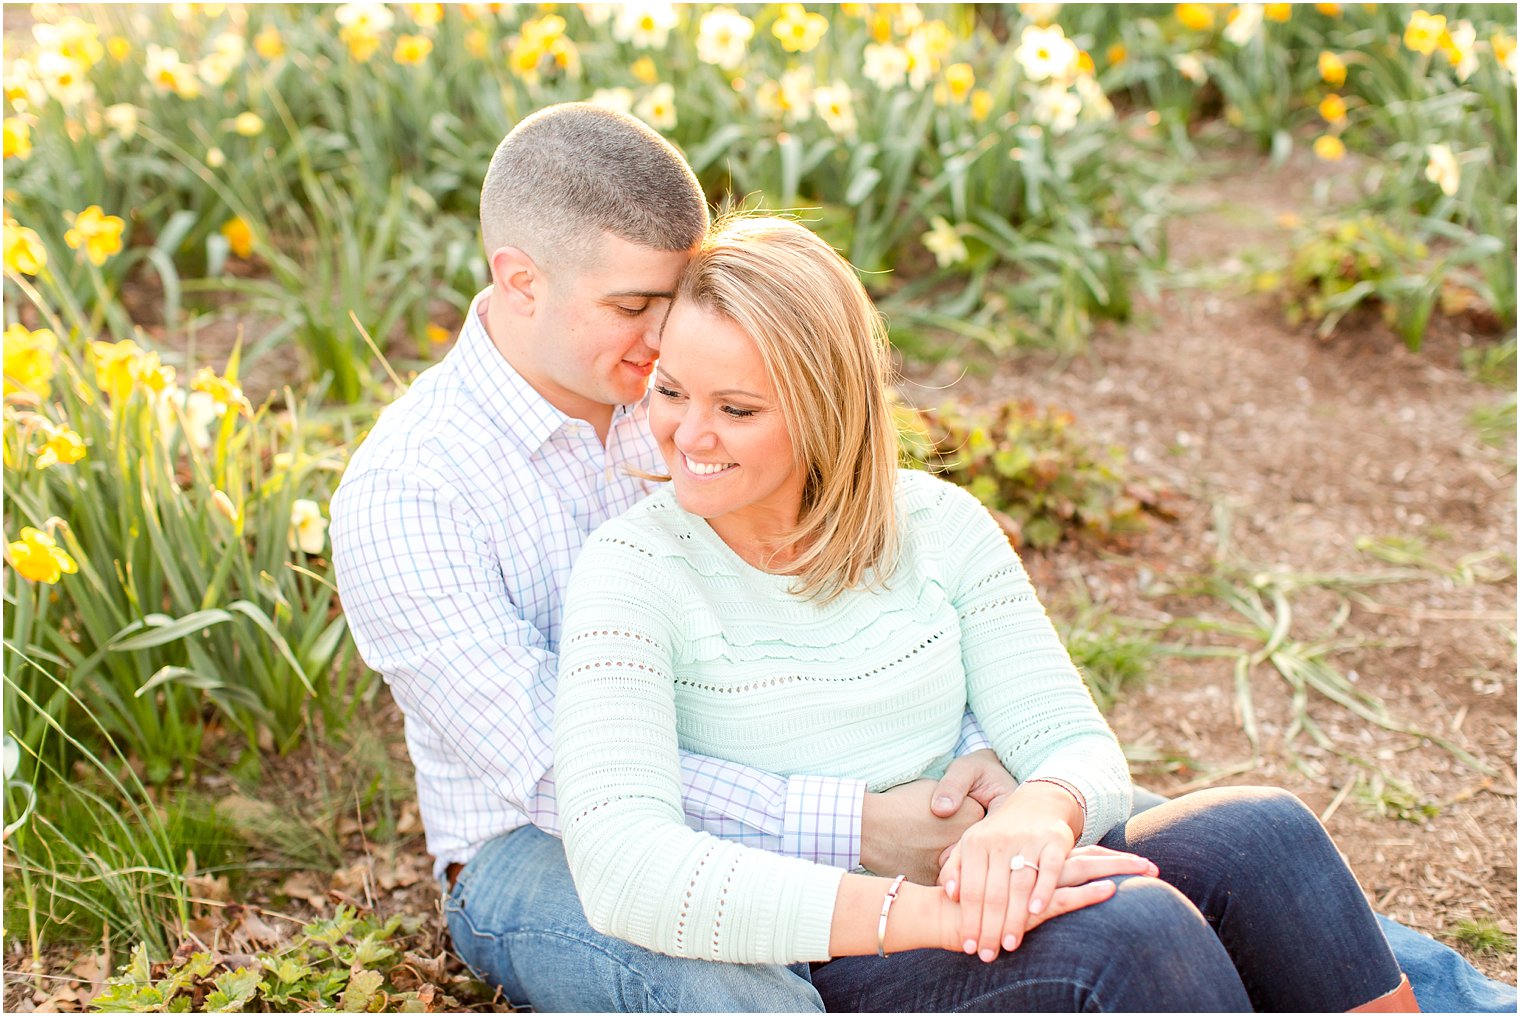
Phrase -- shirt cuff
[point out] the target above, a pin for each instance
(823, 815)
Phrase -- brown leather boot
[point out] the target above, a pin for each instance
(1400, 999)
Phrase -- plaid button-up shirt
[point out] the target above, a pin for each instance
(454, 532)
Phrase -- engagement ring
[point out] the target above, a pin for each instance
(1018, 862)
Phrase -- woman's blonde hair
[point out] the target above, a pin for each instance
(825, 350)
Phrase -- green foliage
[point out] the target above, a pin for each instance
(87, 847)
(1483, 935)
(345, 963)
(1040, 477)
(1492, 363)
(1387, 797)
(1346, 263)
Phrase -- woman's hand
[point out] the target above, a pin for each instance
(1000, 903)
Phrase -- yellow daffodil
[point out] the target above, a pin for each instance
(1504, 50)
(154, 375)
(24, 250)
(224, 391)
(1443, 169)
(268, 43)
(723, 38)
(1332, 69)
(885, 65)
(38, 558)
(1116, 54)
(362, 43)
(412, 49)
(1423, 32)
(981, 104)
(476, 43)
(216, 158)
(308, 529)
(63, 446)
(1046, 53)
(116, 366)
(658, 108)
(31, 359)
(645, 25)
(97, 233)
(1245, 22)
(1459, 44)
(1198, 17)
(1277, 12)
(1330, 148)
(619, 98)
(798, 29)
(438, 333)
(836, 108)
(644, 71)
(119, 47)
(18, 138)
(960, 78)
(1329, 10)
(223, 506)
(426, 16)
(1190, 66)
(248, 123)
(239, 236)
(945, 243)
(168, 73)
(1040, 14)
(122, 117)
(1333, 108)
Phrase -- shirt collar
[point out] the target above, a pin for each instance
(510, 401)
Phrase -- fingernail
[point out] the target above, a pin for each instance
(970, 946)
(988, 955)
(950, 888)
(1035, 906)
(1010, 943)
(943, 802)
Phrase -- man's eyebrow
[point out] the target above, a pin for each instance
(646, 294)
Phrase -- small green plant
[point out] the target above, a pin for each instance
(1386, 796)
(345, 963)
(1040, 477)
(1345, 263)
(1482, 935)
(1492, 363)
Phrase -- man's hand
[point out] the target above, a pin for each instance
(978, 775)
(900, 835)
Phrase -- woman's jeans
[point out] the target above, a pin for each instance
(1254, 909)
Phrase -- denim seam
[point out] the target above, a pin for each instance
(1027, 983)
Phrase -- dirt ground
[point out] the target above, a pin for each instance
(1304, 446)
(1289, 449)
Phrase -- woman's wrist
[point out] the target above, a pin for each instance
(923, 917)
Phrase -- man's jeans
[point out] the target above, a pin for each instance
(516, 919)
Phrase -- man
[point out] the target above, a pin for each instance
(454, 531)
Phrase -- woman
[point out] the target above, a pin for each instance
(796, 602)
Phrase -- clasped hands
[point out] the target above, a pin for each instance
(962, 833)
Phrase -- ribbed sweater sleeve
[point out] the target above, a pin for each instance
(642, 875)
(1020, 680)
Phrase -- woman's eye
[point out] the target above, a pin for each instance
(735, 411)
(669, 393)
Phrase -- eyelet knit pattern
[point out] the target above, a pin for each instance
(672, 641)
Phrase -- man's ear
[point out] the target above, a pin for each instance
(516, 279)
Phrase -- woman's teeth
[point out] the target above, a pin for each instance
(706, 468)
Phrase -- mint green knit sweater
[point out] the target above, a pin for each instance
(671, 640)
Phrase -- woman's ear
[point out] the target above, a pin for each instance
(515, 279)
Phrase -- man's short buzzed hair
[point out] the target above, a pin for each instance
(568, 173)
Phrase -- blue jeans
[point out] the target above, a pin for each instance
(516, 919)
(1442, 979)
